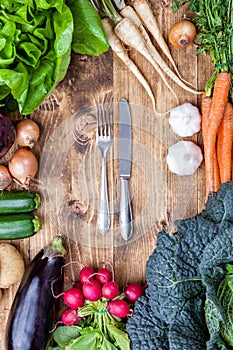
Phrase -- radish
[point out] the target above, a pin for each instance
(70, 317)
(73, 298)
(118, 308)
(92, 290)
(86, 273)
(78, 284)
(133, 291)
(110, 290)
(103, 275)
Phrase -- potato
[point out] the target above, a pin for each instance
(11, 265)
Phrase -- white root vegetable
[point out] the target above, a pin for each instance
(185, 120)
(11, 265)
(184, 158)
(148, 19)
(121, 52)
(131, 36)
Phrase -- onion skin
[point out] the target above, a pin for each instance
(27, 133)
(182, 34)
(23, 166)
(5, 178)
(7, 135)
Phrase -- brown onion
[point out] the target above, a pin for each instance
(23, 166)
(27, 133)
(5, 177)
(182, 33)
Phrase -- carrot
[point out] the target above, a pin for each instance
(147, 17)
(224, 143)
(219, 101)
(217, 181)
(205, 107)
(121, 52)
(205, 111)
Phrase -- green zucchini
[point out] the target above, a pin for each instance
(18, 201)
(16, 226)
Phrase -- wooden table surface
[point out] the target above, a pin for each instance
(70, 170)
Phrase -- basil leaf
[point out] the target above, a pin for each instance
(64, 334)
(89, 36)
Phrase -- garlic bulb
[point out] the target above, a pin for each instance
(184, 157)
(185, 120)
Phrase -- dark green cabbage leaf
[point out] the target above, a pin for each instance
(36, 38)
(190, 282)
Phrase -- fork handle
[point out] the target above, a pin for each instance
(103, 210)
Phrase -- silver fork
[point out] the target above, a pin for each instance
(103, 142)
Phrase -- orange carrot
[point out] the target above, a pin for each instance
(219, 102)
(224, 143)
(217, 181)
(205, 109)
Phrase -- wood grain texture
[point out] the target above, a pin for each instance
(158, 197)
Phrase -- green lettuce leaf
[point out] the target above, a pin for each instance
(36, 38)
(89, 37)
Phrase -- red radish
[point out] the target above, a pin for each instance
(103, 275)
(86, 273)
(133, 291)
(110, 290)
(70, 317)
(78, 284)
(92, 290)
(118, 308)
(74, 298)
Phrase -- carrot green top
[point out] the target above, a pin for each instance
(214, 23)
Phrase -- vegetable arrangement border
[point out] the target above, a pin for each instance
(36, 44)
(188, 302)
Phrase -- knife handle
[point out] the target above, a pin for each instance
(125, 218)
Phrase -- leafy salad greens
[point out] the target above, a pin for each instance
(189, 300)
(36, 39)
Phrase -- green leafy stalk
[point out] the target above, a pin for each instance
(214, 23)
(98, 330)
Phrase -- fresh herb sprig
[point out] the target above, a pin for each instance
(214, 22)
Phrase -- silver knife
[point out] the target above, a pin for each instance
(125, 155)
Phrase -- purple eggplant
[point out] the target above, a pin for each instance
(7, 135)
(32, 315)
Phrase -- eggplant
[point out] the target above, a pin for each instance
(32, 314)
(7, 135)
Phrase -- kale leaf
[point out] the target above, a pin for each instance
(189, 299)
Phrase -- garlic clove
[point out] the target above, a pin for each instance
(185, 120)
(184, 158)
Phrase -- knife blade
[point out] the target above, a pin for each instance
(125, 155)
